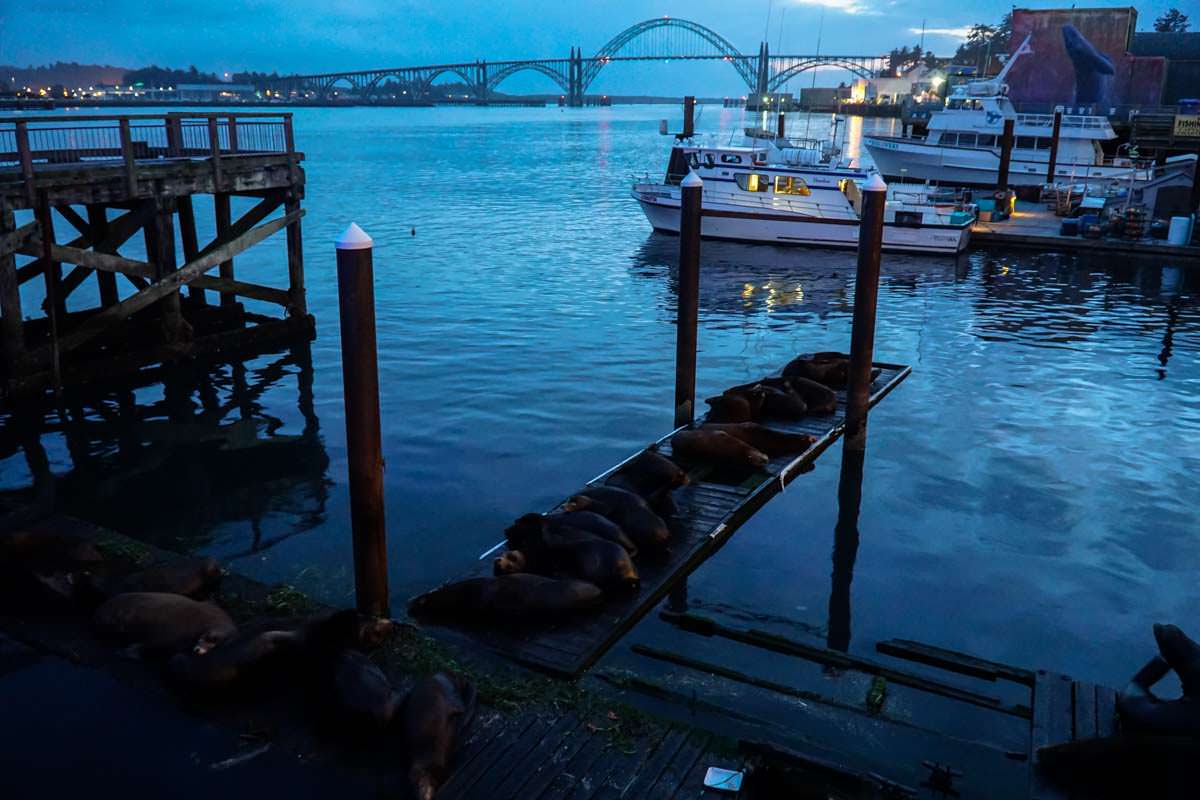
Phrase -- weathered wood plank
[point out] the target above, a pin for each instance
(1106, 711)
(12, 322)
(953, 661)
(14, 241)
(466, 776)
(1085, 710)
(77, 222)
(107, 282)
(557, 762)
(171, 283)
(566, 736)
(522, 759)
(1053, 723)
(251, 290)
(668, 783)
(91, 259)
(648, 772)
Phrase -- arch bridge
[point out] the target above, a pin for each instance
(659, 39)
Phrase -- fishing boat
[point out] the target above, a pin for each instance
(962, 143)
(750, 194)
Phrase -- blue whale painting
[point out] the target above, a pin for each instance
(1092, 68)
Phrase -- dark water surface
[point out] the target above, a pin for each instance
(1029, 492)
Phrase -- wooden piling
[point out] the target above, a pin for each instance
(297, 305)
(12, 323)
(1054, 147)
(98, 223)
(187, 235)
(360, 373)
(222, 210)
(1006, 146)
(691, 190)
(689, 117)
(866, 297)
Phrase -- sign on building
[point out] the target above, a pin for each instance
(1187, 126)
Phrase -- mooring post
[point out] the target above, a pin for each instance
(1054, 147)
(866, 297)
(1006, 146)
(690, 191)
(360, 373)
(779, 125)
(689, 117)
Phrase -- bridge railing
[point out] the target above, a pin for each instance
(31, 143)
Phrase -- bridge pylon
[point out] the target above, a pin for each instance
(763, 83)
(481, 81)
(575, 78)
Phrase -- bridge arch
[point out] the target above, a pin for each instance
(672, 38)
(402, 78)
(326, 88)
(784, 75)
(496, 77)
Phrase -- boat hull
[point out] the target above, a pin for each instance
(745, 226)
(901, 159)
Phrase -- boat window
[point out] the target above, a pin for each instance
(1026, 142)
(730, 158)
(791, 185)
(986, 140)
(966, 140)
(752, 181)
(676, 167)
(1043, 143)
(709, 161)
(908, 219)
(948, 138)
(694, 160)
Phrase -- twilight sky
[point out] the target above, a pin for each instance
(319, 35)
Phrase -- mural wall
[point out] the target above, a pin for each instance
(1080, 58)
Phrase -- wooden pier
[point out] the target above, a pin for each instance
(710, 511)
(109, 178)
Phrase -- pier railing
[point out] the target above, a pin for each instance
(33, 143)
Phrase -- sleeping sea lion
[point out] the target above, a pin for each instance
(599, 561)
(736, 405)
(1182, 654)
(432, 720)
(717, 447)
(760, 437)
(539, 526)
(1124, 766)
(652, 476)
(165, 623)
(779, 400)
(227, 664)
(361, 692)
(819, 398)
(507, 598)
(193, 577)
(47, 550)
(829, 369)
(646, 528)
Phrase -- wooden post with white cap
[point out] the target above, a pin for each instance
(866, 298)
(360, 374)
(690, 190)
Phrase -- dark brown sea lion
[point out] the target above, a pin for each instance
(829, 369)
(536, 527)
(165, 623)
(47, 550)
(361, 692)
(433, 719)
(741, 404)
(514, 599)
(651, 476)
(229, 663)
(1123, 767)
(819, 398)
(599, 561)
(1182, 654)
(646, 528)
(717, 447)
(193, 577)
(760, 437)
(779, 401)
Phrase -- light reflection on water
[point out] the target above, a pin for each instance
(1028, 492)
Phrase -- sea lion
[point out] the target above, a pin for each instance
(650, 475)
(760, 437)
(573, 553)
(506, 598)
(47, 550)
(227, 664)
(1183, 656)
(433, 719)
(193, 577)
(818, 397)
(1093, 69)
(361, 692)
(646, 528)
(718, 447)
(1124, 766)
(164, 623)
(538, 526)
(778, 398)
(829, 369)
(742, 404)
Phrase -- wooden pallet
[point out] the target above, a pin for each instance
(709, 514)
(1065, 710)
(553, 758)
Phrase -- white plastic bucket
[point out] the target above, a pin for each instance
(1180, 230)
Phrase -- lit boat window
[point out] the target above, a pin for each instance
(752, 181)
(791, 185)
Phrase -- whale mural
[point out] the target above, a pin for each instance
(1080, 59)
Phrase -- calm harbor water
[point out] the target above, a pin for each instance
(1029, 492)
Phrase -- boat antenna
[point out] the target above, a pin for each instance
(767, 26)
(820, 29)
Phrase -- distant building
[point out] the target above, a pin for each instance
(1182, 52)
(919, 82)
(214, 92)
(823, 97)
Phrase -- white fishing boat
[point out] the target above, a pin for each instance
(750, 196)
(962, 143)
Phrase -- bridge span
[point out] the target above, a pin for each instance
(659, 39)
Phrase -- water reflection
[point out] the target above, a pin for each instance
(199, 454)
(845, 547)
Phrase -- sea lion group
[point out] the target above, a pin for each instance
(166, 616)
(570, 560)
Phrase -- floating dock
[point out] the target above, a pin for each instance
(1034, 227)
(709, 512)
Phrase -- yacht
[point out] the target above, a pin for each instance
(962, 143)
(751, 193)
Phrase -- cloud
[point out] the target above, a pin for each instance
(846, 6)
(952, 33)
